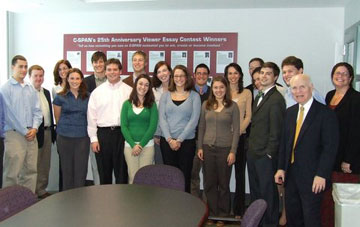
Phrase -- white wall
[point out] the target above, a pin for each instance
(352, 14)
(315, 35)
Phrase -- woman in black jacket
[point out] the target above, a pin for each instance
(345, 102)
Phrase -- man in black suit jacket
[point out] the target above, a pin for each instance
(46, 132)
(266, 124)
(307, 154)
(98, 60)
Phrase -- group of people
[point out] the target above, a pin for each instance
(293, 141)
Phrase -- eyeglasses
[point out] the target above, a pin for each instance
(342, 74)
(179, 76)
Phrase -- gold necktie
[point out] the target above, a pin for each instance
(298, 127)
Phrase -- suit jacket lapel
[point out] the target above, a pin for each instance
(308, 120)
(266, 97)
(345, 98)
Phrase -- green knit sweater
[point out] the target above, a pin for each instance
(138, 128)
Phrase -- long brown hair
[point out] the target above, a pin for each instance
(82, 89)
(57, 77)
(149, 98)
(212, 103)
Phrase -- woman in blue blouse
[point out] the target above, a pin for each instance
(70, 108)
(179, 112)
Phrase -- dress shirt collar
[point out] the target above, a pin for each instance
(306, 107)
(116, 85)
(100, 79)
(204, 89)
(13, 82)
(267, 90)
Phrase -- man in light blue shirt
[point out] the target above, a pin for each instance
(22, 119)
(2, 135)
(292, 66)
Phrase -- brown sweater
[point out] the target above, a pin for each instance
(219, 128)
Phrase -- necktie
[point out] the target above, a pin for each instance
(259, 97)
(200, 90)
(297, 131)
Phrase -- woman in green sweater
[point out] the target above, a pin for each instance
(139, 118)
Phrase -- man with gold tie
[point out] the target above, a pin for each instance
(307, 152)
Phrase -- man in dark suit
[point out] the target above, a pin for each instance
(307, 152)
(46, 132)
(98, 60)
(264, 140)
(138, 64)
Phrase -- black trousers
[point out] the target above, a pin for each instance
(240, 165)
(262, 186)
(1, 159)
(182, 158)
(302, 205)
(111, 156)
(217, 175)
(74, 156)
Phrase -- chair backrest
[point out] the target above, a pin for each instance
(254, 213)
(14, 199)
(161, 175)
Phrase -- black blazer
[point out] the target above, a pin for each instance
(90, 83)
(40, 133)
(316, 146)
(266, 124)
(348, 115)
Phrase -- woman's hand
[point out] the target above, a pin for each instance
(200, 154)
(136, 150)
(231, 158)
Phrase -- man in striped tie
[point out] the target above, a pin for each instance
(307, 153)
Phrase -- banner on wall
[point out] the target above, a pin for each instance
(216, 50)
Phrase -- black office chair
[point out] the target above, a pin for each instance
(161, 175)
(14, 199)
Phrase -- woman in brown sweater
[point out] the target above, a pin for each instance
(218, 137)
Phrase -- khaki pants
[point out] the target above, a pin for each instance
(43, 164)
(20, 161)
(134, 163)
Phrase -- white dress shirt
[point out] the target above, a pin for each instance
(105, 106)
(44, 107)
(306, 108)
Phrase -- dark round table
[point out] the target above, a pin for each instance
(114, 205)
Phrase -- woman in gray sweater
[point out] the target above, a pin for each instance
(217, 143)
(179, 112)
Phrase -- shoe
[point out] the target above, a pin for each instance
(220, 223)
(47, 194)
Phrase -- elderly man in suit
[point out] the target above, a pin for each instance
(307, 153)
(264, 140)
